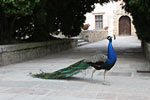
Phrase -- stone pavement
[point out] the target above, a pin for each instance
(126, 83)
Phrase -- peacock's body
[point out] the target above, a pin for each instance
(99, 62)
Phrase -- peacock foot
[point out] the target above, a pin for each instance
(106, 83)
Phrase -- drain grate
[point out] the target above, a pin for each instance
(142, 71)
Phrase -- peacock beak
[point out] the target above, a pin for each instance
(114, 37)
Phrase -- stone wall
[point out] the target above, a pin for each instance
(93, 35)
(21, 52)
(146, 49)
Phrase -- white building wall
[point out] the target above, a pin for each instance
(111, 13)
(107, 11)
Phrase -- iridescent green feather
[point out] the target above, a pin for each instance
(65, 72)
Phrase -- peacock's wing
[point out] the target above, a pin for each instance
(65, 72)
(97, 58)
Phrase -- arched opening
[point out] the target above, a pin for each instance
(124, 25)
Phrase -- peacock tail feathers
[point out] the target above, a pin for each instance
(65, 72)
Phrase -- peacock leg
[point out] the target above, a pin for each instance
(93, 73)
(105, 74)
(105, 83)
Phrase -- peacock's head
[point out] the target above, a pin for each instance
(110, 38)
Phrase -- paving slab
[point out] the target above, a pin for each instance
(124, 81)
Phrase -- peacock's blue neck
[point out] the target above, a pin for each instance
(111, 53)
(112, 58)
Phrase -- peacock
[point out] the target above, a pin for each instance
(98, 62)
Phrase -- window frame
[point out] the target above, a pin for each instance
(100, 21)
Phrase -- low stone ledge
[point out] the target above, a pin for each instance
(146, 49)
(26, 51)
(94, 35)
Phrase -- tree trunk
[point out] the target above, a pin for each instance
(7, 29)
(12, 27)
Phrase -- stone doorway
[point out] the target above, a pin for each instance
(124, 25)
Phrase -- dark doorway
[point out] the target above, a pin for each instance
(124, 25)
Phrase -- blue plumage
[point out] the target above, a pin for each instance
(111, 59)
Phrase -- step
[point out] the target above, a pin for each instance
(81, 40)
(76, 38)
(82, 43)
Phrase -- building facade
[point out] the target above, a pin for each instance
(113, 16)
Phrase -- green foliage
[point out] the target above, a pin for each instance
(11, 12)
(140, 11)
(19, 7)
(37, 19)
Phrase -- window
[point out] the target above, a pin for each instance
(98, 21)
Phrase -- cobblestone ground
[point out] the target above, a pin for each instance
(125, 82)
